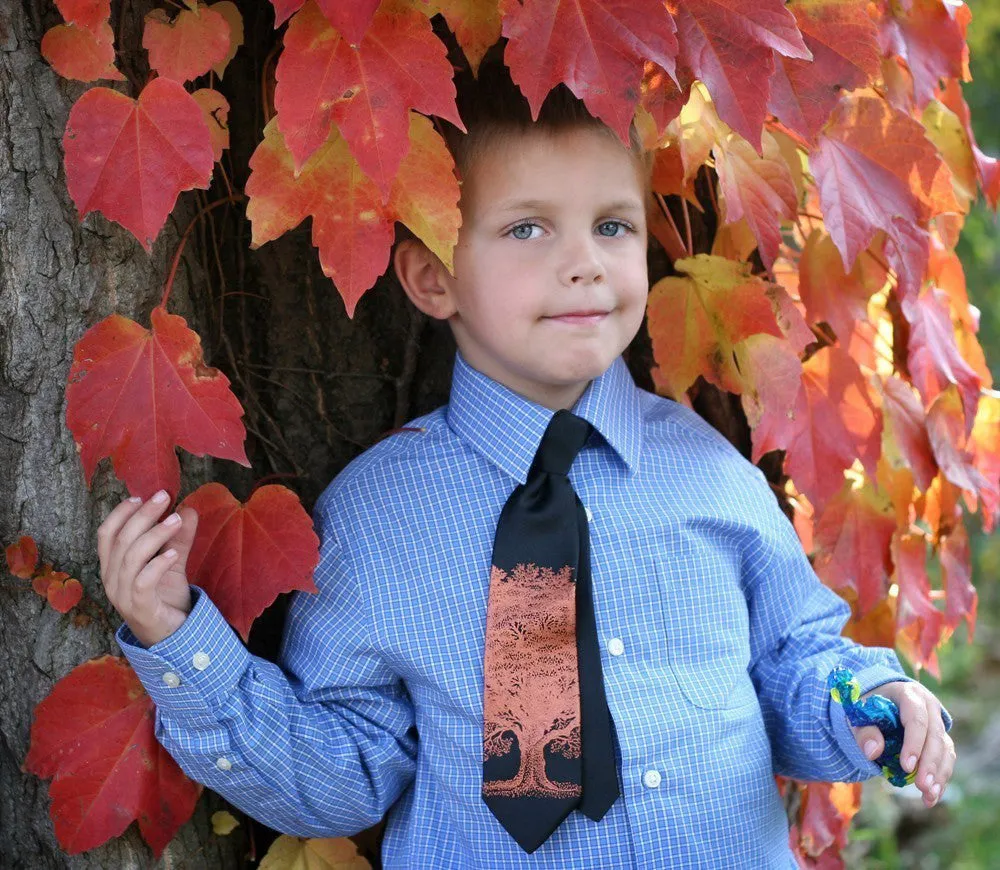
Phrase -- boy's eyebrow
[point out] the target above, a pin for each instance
(618, 205)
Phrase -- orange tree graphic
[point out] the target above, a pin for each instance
(531, 677)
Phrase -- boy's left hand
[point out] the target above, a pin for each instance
(925, 742)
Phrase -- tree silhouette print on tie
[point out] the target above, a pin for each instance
(532, 698)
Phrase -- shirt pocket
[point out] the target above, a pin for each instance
(708, 640)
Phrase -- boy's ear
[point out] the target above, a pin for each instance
(424, 278)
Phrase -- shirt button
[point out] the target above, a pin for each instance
(590, 514)
(201, 660)
(171, 679)
(615, 646)
(224, 764)
(651, 778)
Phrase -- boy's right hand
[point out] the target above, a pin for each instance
(149, 588)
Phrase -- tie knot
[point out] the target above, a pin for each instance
(563, 439)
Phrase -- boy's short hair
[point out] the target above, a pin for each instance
(492, 107)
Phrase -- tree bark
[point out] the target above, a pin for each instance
(317, 389)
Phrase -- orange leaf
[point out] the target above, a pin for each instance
(476, 25)
(243, 556)
(131, 159)
(757, 189)
(825, 814)
(188, 45)
(695, 321)
(352, 227)
(596, 47)
(22, 557)
(81, 54)
(94, 734)
(829, 293)
(367, 91)
(135, 395)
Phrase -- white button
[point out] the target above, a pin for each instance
(224, 763)
(590, 514)
(171, 679)
(651, 778)
(615, 646)
(201, 661)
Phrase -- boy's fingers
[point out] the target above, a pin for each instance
(138, 523)
(870, 740)
(933, 775)
(144, 548)
(914, 717)
(142, 594)
(107, 533)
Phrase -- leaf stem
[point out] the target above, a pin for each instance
(180, 247)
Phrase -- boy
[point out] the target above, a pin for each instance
(715, 635)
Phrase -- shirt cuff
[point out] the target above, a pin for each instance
(868, 679)
(190, 673)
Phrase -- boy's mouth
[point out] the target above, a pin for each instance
(582, 318)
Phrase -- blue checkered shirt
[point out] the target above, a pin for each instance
(716, 640)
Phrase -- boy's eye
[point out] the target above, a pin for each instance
(614, 226)
(523, 231)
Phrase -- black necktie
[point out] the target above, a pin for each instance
(548, 735)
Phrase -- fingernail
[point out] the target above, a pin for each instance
(911, 762)
(871, 747)
(160, 497)
(936, 790)
(135, 499)
(172, 520)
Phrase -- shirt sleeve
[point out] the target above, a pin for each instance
(795, 641)
(320, 744)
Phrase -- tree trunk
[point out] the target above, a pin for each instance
(317, 389)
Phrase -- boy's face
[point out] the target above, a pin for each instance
(550, 277)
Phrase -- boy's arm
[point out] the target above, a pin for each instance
(319, 747)
(795, 641)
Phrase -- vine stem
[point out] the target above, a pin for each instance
(180, 247)
(687, 227)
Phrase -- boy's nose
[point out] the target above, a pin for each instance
(582, 264)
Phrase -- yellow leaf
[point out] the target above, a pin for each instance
(296, 853)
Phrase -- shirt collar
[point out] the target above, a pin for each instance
(506, 428)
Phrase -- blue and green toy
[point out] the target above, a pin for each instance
(874, 710)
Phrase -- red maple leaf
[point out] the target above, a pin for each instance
(94, 734)
(352, 227)
(730, 45)
(135, 394)
(843, 40)
(596, 47)
(130, 159)
(366, 91)
(243, 556)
